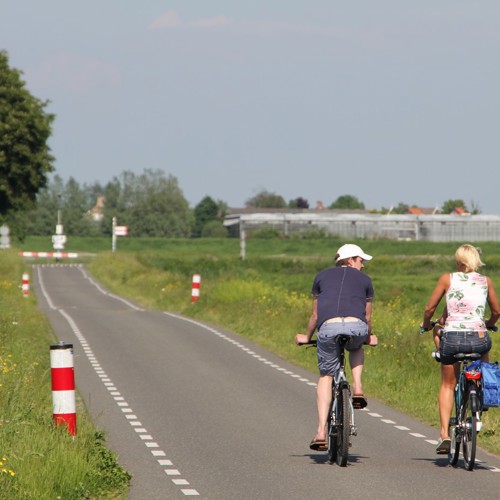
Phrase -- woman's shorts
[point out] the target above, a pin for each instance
(329, 350)
(453, 342)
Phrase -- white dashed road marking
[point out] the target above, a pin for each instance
(150, 444)
(302, 379)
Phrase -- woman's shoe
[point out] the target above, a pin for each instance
(443, 446)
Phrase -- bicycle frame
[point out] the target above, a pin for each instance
(341, 382)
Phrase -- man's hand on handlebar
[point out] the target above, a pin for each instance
(301, 339)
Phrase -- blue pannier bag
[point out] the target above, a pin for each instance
(491, 384)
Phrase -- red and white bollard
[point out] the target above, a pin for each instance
(63, 386)
(195, 291)
(26, 285)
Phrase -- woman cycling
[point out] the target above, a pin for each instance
(467, 293)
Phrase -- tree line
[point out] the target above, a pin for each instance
(150, 204)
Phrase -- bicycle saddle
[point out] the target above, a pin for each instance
(467, 357)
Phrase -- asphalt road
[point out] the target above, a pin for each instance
(193, 410)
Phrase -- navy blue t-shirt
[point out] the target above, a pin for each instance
(342, 291)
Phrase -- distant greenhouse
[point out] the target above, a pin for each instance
(437, 228)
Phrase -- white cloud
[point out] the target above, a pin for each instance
(73, 73)
(168, 19)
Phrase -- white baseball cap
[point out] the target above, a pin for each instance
(350, 250)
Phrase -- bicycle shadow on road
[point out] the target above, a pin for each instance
(442, 462)
(322, 458)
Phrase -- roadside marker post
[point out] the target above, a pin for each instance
(195, 290)
(26, 285)
(63, 386)
(117, 231)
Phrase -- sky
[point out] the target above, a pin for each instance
(388, 101)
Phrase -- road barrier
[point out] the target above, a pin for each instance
(48, 255)
(195, 291)
(26, 285)
(63, 386)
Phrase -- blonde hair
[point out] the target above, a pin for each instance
(469, 257)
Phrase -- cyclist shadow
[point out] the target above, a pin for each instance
(322, 458)
(442, 462)
(438, 462)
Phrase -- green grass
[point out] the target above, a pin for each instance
(39, 460)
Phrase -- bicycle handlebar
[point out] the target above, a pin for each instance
(434, 323)
(311, 343)
(423, 330)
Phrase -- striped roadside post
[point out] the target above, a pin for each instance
(63, 385)
(195, 290)
(26, 285)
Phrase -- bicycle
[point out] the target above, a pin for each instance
(340, 424)
(463, 427)
(466, 422)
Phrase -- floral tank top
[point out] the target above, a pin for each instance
(466, 301)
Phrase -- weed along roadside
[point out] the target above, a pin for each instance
(39, 459)
(266, 298)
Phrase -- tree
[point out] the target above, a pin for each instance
(265, 199)
(206, 211)
(449, 205)
(347, 201)
(67, 200)
(25, 127)
(400, 208)
(298, 203)
(150, 204)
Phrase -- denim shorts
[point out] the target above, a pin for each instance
(453, 342)
(329, 350)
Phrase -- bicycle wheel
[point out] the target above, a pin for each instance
(455, 439)
(469, 431)
(344, 427)
(332, 432)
